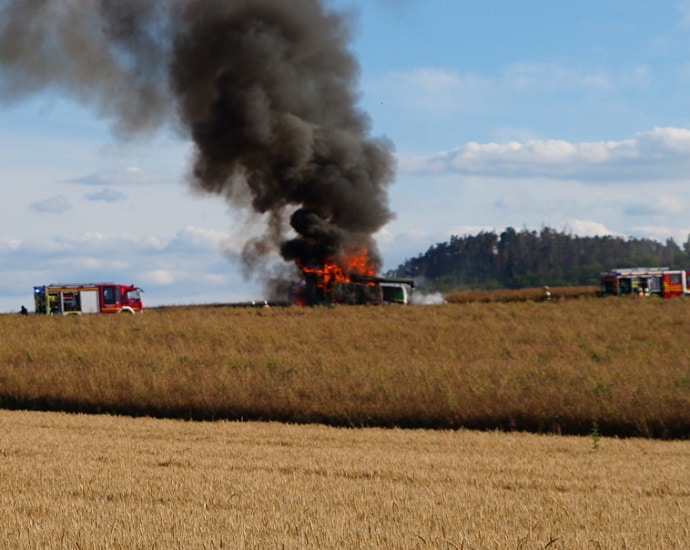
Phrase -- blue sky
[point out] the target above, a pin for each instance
(572, 115)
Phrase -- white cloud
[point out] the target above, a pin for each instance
(160, 277)
(9, 244)
(42, 246)
(587, 228)
(662, 232)
(659, 152)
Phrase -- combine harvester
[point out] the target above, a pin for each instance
(75, 299)
(354, 290)
(350, 281)
(645, 281)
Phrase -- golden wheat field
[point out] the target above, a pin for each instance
(78, 481)
(620, 366)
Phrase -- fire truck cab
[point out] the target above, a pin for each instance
(75, 299)
(645, 281)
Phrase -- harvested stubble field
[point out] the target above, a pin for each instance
(617, 366)
(77, 481)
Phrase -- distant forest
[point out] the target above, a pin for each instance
(522, 259)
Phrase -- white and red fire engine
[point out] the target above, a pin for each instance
(75, 299)
(645, 281)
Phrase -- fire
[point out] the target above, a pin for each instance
(341, 270)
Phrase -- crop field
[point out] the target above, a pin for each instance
(325, 461)
(619, 366)
(80, 481)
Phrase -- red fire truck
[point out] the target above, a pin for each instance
(75, 299)
(645, 281)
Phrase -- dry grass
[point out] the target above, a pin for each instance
(555, 367)
(74, 481)
(520, 295)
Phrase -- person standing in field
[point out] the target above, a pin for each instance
(547, 294)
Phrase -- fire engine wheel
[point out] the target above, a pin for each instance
(126, 310)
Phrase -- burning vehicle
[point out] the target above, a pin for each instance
(350, 282)
(266, 94)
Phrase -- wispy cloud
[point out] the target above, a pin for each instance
(661, 152)
(552, 78)
(51, 205)
(684, 8)
(438, 90)
(442, 90)
(184, 245)
(105, 195)
(197, 238)
(131, 175)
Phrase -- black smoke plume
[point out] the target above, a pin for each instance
(265, 90)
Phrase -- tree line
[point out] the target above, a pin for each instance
(521, 259)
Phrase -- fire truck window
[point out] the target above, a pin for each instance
(109, 294)
(675, 279)
(132, 295)
(655, 284)
(54, 300)
(624, 286)
(71, 301)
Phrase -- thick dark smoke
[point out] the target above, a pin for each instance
(265, 89)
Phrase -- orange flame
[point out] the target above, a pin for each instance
(340, 270)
